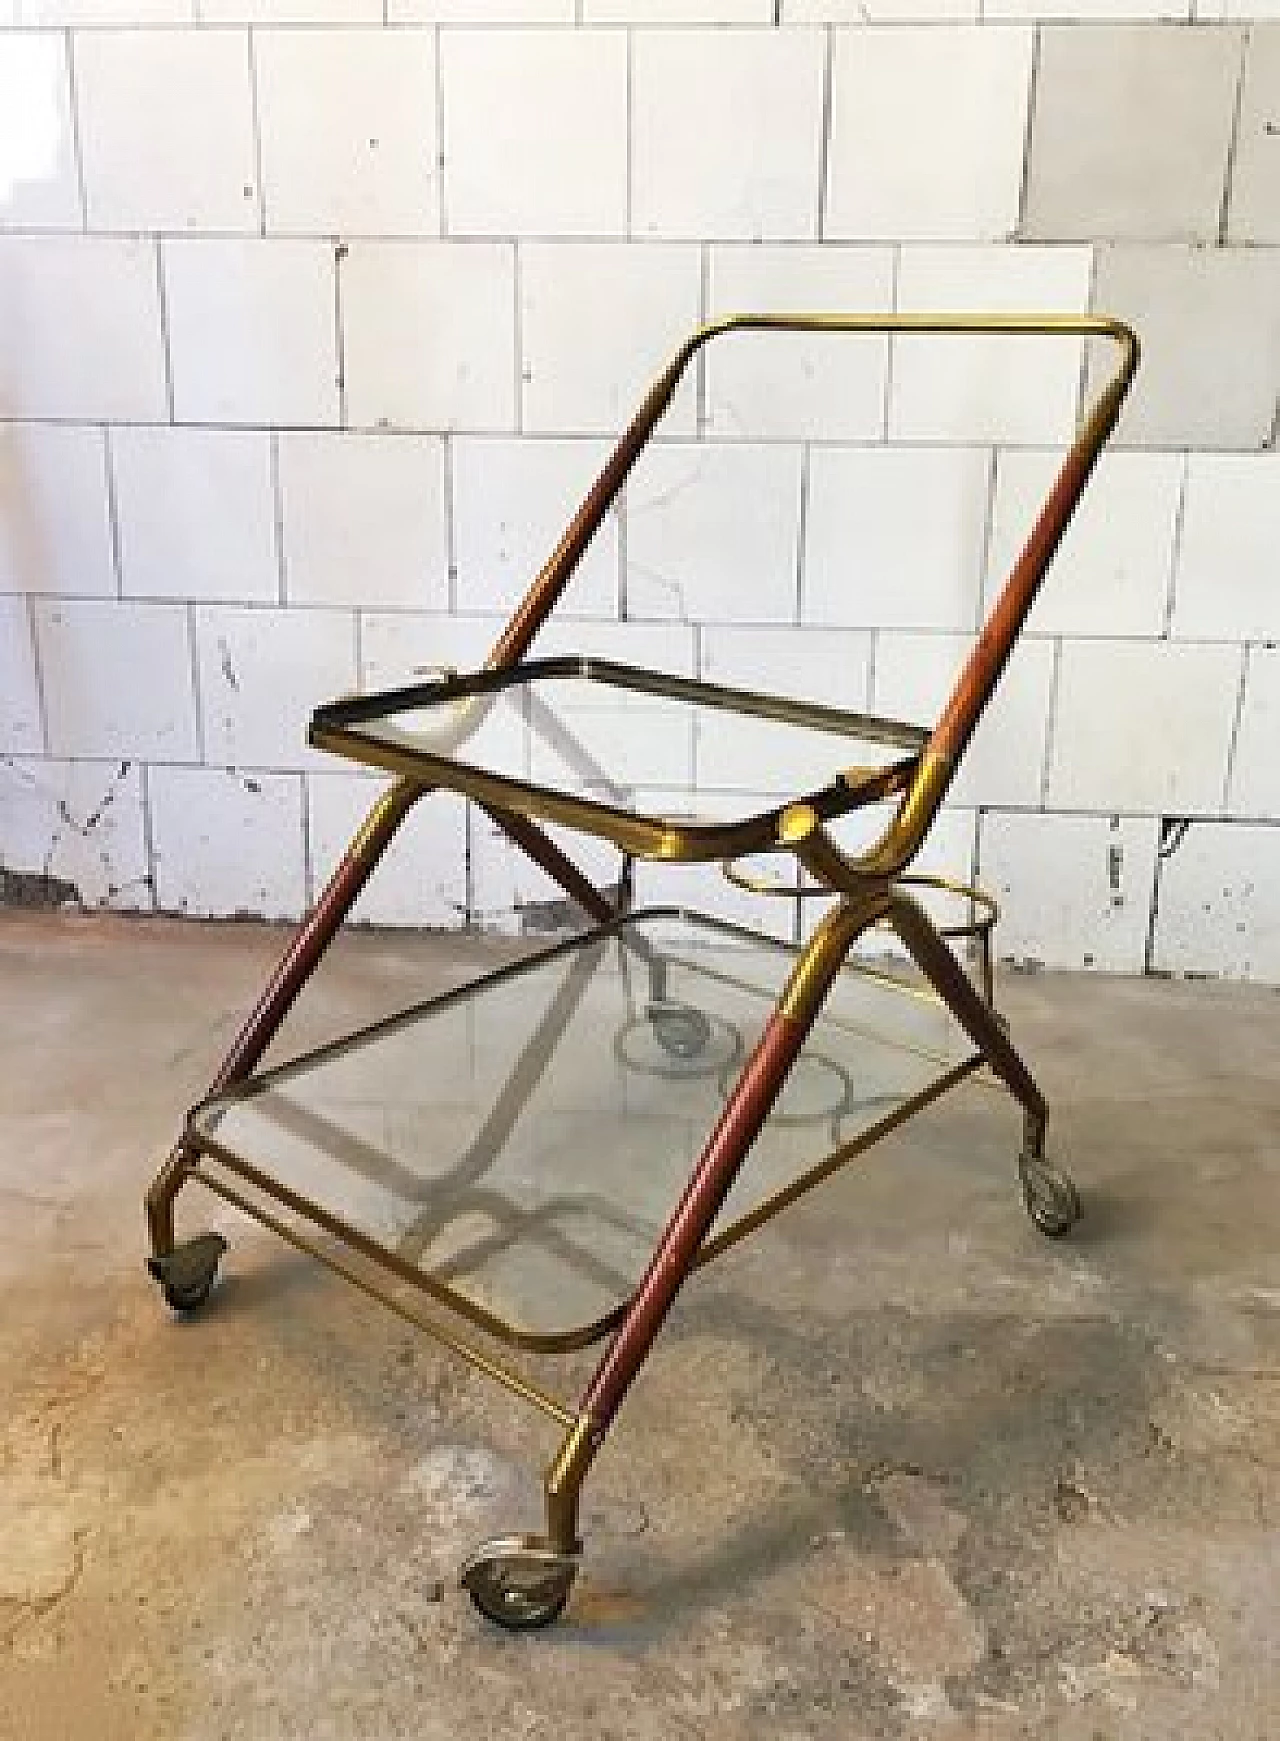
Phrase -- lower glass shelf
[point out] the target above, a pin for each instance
(518, 1145)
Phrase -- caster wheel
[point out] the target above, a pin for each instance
(519, 1582)
(186, 1274)
(679, 1029)
(1052, 1201)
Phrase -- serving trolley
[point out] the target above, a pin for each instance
(540, 1159)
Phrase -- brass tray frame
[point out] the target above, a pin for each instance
(525, 1581)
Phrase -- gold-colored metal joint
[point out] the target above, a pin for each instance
(564, 1483)
(394, 800)
(824, 955)
(797, 823)
(901, 840)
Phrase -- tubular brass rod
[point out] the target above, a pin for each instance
(512, 1381)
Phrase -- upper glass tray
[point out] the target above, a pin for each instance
(610, 737)
(521, 1142)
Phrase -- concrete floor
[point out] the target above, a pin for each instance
(899, 1467)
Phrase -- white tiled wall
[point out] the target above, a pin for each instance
(318, 317)
(195, 513)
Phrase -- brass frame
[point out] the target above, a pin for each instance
(867, 888)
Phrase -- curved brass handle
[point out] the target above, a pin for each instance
(555, 573)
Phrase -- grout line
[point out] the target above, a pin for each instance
(1234, 735)
(599, 433)
(442, 201)
(277, 515)
(517, 287)
(700, 413)
(113, 509)
(986, 598)
(1051, 722)
(197, 699)
(148, 831)
(37, 665)
(1233, 141)
(308, 861)
(1175, 549)
(449, 471)
(1091, 303)
(77, 143)
(358, 630)
(802, 530)
(890, 349)
(255, 121)
(340, 251)
(1033, 91)
(873, 648)
(824, 134)
(165, 345)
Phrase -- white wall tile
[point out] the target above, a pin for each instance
(106, 11)
(787, 386)
(713, 533)
(291, 11)
(744, 754)
(535, 132)
(927, 133)
(399, 649)
(916, 673)
(1074, 891)
(725, 128)
(1207, 11)
(678, 11)
(117, 679)
(166, 129)
(252, 332)
(80, 823)
(80, 329)
(422, 880)
(227, 842)
(598, 323)
(512, 499)
(832, 668)
(55, 530)
(1255, 772)
(39, 188)
(364, 520)
(1143, 726)
(958, 388)
(262, 673)
(196, 513)
(430, 335)
(1111, 573)
(1218, 909)
(655, 646)
(481, 11)
(20, 730)
(895, 537)
(1228, 582)
(881, 11)
(1092, 11)
(1254, 211)
(348, 125)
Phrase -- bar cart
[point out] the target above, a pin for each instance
(540, 1159)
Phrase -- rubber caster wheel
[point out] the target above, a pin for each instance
(1051, 1200)
(680, 1030)
(519, 1582)
(187, 1273)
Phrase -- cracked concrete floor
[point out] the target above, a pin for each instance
(898, 1468)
